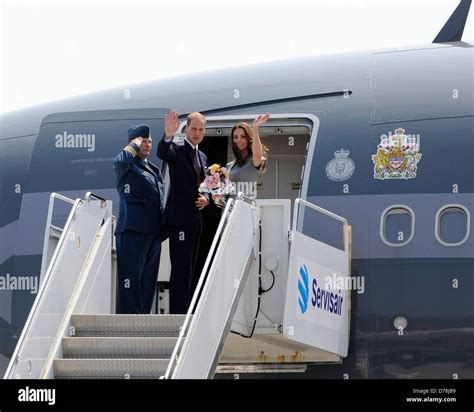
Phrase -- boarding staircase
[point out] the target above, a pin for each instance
(72, 331)
(119, 346)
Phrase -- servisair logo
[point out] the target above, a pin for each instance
(303, 288)
(321, 299)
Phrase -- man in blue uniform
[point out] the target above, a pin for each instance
(138, 231)
(182, 214)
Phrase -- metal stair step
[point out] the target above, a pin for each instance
(127, 325)
(109, 368)
(118, 347)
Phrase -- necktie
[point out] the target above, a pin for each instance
(197, 166)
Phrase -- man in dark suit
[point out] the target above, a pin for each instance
(138, 231)
(182, 215)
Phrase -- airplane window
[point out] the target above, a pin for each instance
(397, 225)
(452, 225)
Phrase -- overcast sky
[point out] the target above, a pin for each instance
(56, 49)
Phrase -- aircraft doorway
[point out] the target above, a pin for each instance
(287, 139)
(287, 152)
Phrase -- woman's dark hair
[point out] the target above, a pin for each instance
(249, 135)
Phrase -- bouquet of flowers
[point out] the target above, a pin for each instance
(217, 183)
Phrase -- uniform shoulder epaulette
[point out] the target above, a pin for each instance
(130, 149)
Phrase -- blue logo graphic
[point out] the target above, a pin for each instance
(303, 287)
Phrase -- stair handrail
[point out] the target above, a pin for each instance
(220, 228)
(39, 298)
(49, 218)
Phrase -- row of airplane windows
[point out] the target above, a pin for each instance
(452, 225)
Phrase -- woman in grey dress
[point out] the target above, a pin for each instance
(250, 156)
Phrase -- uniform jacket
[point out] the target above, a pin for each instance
(141, 190)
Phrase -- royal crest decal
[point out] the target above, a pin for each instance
(397, 156)
(341, 167)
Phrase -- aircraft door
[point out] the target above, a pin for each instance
(72, 155)
(2, 162)
(74, 151)
(17, 265)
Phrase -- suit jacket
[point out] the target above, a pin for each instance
(180, 205)
(140, 187)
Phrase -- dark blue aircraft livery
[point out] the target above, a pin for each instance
(391, 148)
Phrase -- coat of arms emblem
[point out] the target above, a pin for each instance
(397, 156)
(341, 167)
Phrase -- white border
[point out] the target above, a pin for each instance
(437, 223)
(382, 225)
